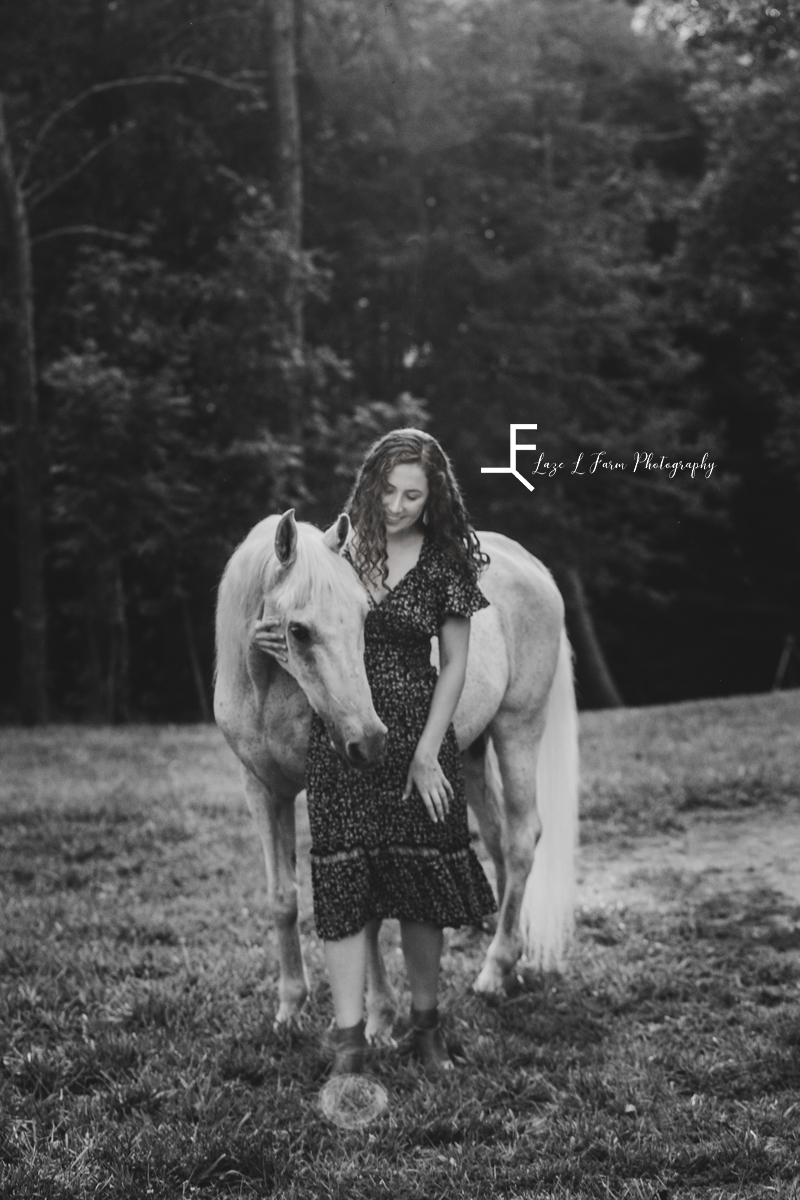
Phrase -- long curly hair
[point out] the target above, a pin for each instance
(447, 520)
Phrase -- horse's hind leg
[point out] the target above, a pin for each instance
(381, 1000)
(274, 818)
(485, 800)
(517, 749)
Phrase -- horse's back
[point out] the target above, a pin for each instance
(531, 610)
(515, 568)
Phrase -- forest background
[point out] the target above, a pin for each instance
(570, 212)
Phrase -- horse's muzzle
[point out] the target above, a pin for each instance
(367, 750)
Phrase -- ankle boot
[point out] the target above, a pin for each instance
(350, 1050)
(427, 1041)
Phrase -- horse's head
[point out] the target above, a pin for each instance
(312, 592)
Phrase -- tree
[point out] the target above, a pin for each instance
(161, 450)
(735, 284)
(29, 452)
(289, 186)
(30, 548)
(19, 196)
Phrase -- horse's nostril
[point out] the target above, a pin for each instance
(355, 754)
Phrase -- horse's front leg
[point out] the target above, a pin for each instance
(274, 818)
(517, 749)
(381, 1000)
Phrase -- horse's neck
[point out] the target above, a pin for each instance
(275, 687)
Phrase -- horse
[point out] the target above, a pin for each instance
(516, 724)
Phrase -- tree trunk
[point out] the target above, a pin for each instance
(97, 687)
(788, 653)
(28, 450)
(289, 188)
(120, 691)
(599, 688)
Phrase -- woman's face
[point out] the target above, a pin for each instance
(404, 497)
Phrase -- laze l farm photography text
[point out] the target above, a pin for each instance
(590, 462)
(600, 460)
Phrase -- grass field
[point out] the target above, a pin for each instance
(137, 991)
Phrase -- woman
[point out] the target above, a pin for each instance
(394, 841)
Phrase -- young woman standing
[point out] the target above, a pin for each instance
(394, 841)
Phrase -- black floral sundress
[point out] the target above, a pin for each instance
(374, 854)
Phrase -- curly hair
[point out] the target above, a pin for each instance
(448, 523)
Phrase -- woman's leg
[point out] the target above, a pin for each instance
(346, 961)
(422, 948)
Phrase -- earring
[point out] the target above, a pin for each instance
(425, 515)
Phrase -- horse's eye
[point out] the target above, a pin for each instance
(301, 633)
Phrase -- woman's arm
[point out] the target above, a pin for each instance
(425, 771)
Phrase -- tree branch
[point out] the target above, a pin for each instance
(235, 85)
(179, 77)
(89, 230)
(95, 90)
(44, 192)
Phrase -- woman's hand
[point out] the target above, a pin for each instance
(268, 637)
(432, 784)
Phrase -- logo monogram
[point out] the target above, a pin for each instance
(511, 469)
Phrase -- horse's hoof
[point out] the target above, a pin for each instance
(379, 1028)
(491, 981)
(381, 1039)
(289, 1018)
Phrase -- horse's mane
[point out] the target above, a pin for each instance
(315, 575)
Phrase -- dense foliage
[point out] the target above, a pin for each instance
(566, 212)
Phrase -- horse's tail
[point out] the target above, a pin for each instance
(547, 915)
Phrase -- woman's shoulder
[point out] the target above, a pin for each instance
(454, 578)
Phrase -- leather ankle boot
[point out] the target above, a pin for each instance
(427, 1041)
(350, 1050)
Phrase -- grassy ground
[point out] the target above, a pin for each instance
(137, 989)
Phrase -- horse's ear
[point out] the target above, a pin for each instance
(286, 538)
(337, 535)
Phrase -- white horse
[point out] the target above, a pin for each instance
(516, 723)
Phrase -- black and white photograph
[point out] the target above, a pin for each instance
(400, 599)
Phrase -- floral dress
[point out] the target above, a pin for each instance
(374, 854)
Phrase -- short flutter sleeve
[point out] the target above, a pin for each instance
(455, 592)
